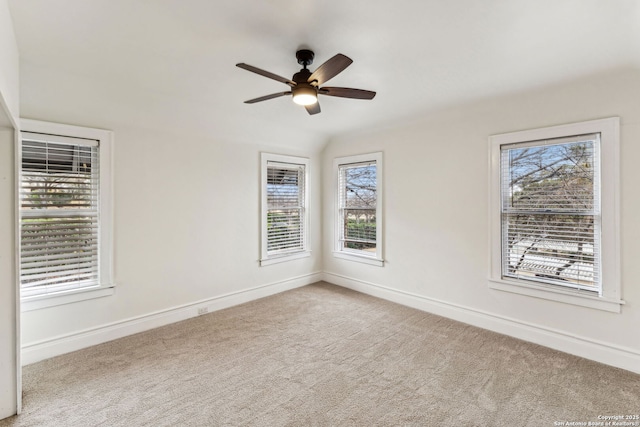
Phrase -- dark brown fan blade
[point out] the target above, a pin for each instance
(313, 108)
(266, 97)
(345, 92)
(330, 69)
(266, 74)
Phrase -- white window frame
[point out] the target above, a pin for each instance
(267, 258)
(610, 298)
(352, 254)
(106, 284)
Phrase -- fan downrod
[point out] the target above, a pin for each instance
(305, 57)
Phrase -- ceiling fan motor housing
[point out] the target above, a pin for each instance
(302, 76)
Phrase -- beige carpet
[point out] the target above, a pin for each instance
(321, 356)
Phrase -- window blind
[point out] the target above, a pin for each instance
(285, 208)
(59, 213)
(551, 211)
(357, 206)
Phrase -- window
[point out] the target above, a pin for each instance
(65, 243)
(358, 208)
(555, 233)
(285, 218)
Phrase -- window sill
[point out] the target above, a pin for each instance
(67, 297)
(359, 258)
(284, 258)
(558, 295)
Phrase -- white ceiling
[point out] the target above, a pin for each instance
(170, 64)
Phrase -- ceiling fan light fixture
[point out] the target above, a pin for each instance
(305, 95)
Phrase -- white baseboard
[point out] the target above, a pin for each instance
(588, 348)
(602, 352)
(34, 352)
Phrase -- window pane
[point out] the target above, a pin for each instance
(553, 248)
(360, 186)
(58, 176)
(285, 210)
(556, 177)
(284, 230)
(283, 187)
(358, 200)
(550, 218)
(360, 229)
(59, 216)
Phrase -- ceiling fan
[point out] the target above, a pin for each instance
(306, 86)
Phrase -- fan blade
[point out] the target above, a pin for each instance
(266, 74)
(313, 108)
(266, 97)
(330, 69)
(345, 92)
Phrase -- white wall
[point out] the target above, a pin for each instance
(9, 88)
(9, 113)
(8, 361)
(187, 219)
(436, 215)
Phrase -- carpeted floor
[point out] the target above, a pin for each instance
(321, 356)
